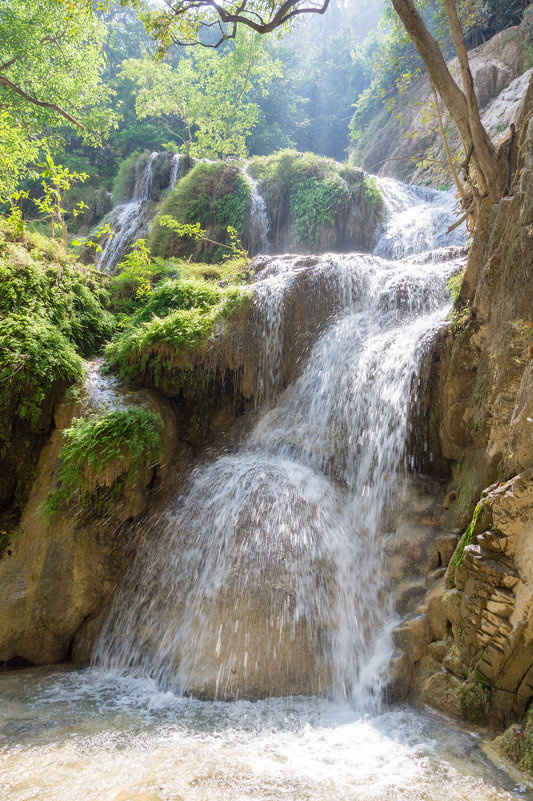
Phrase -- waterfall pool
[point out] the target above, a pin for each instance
(94, 735)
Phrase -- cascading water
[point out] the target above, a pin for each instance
(128, 221)
(267, 575)
(417, 220)
(175, 171)
(258, 225)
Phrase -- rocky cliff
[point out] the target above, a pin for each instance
(469, 644)
(404, 142)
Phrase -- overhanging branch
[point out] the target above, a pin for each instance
(41, 103)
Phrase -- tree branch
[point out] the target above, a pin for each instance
(41, 103)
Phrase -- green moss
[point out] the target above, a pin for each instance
(176, 318)
(458, 555)
(516, 743)
(90, 446)
(214, 195)
(453, 285)
(312, 203)
(474, 698)
(124, 180)
(309, 190)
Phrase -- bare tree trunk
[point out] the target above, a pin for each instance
(485, 154)
(464, 112)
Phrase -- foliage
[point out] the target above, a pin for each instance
(57, 180)
(91, 445)
(17, 154)
(215, 197)
(203, 102)
(312, 203)
(179, 314)
(50, 311)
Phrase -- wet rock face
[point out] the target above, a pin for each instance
(481, 652)
(57, 576)
(485, 604)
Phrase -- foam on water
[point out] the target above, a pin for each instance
(96, 736)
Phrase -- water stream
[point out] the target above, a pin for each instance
(263, 582)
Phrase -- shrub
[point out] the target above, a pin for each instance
(51, 311)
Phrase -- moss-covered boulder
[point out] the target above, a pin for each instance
(316, 205)
(217, 196)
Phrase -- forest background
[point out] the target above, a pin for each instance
(87, 89)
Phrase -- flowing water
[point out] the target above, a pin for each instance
(258, 224)
(129, 221)
(264, 580)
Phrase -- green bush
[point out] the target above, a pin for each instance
(51, 311)
(178, 316)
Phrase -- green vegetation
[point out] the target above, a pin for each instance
(310, 189)
(52, 311)
(474, 698)
(312, 203)
(471, 530)
(516, 743)
(124, 180)
(214, 195)
(453, 285)
(206, 105)
(178, 315)
(100, 450)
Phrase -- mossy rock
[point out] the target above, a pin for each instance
(215, 195)
(516, 743)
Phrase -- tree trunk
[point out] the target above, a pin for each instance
(465, 113)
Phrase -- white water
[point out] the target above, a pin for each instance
(417, 220)
(175, 171)
(258, 225)
(93, 736)
(128, 221)
(266, 576)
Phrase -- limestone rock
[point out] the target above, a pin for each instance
(442, 691)
(56, 575)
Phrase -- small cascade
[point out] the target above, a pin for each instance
(129, 221)
(258, 224)
(175, 171)
(417, 219)
(266, 575)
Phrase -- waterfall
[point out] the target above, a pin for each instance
(417, 220)
(128, 221)
(258, 224)
(266, 575)
(175, 171)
